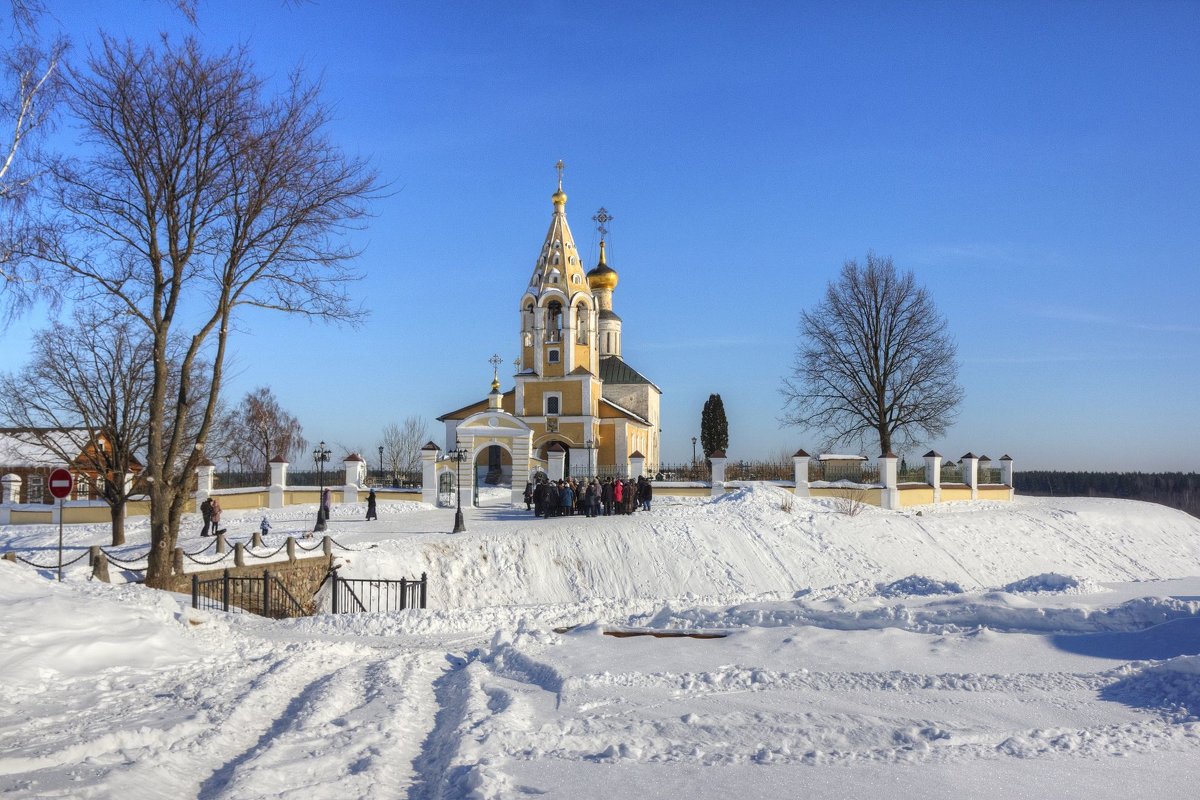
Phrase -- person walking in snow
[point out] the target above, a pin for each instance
(264, 527)
(206, 515)
(528, 494)
(216, 517)
(645, 493)
(371, 512)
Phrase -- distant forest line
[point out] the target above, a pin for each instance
(1175, 489)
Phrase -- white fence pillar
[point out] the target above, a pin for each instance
(637, 465)
(204, 480)
(1006, 470)
(354, 466)
(718, 473)
(933, 473)
(279, 469)
(429, 457)
(556, 456)
(890, 498)
(800, 472)
(970, 471)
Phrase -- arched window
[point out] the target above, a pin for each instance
(581, 322)
(554, 321)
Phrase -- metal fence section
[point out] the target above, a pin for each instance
(400, 479)
(911, 475)
(855, 473)
(952, 473)
(990, 475)
(265, 596)
(698, 471)
(759, 471)
(364, 595)
(331, 477)
(241, 480)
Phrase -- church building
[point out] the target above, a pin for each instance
(574, 393)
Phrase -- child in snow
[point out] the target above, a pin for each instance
(265, 526)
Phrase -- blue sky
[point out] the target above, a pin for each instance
(1037, 165)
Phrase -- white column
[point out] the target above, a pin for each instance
(10, 489)
(637, 466)
(933, 473)
(1006, 471)
(522, 445)
(352, 465)
(970, 470)
(429, 456)
(204, 480)
(557, 458)
(278, 483)
(888, 477)
(800, 473)
(718, 473)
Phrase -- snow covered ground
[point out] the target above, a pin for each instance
(1044, 648)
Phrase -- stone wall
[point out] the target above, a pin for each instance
(301, 577)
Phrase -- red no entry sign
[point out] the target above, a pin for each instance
(60, 483)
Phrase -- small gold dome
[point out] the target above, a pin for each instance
(602, 276)
(559, 197)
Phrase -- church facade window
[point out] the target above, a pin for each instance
(553, 403)
(552, 356)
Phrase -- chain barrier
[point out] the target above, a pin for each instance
(208, 563)
(205, 549)
(277, 551)
(341, 546)
(36, 565)
(308, 549)
(122, 561)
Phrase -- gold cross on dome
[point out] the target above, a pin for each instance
(559, 167)
(495, 361)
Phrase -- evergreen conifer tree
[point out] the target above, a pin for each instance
(714, 429)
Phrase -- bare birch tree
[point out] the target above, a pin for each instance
(30, 83)
(402, 445)
(202, 193)
(876, 362)
(259, 429)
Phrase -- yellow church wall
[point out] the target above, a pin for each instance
(29, 517)
(916, 496)
(995, 493)
(871, 496)
(583, 356)
(606, 453)
(952, 494)
(572, 396)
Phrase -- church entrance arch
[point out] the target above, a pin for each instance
(493, 475)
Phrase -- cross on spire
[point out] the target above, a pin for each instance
(602, 216)
(559, 167)
(496, 361)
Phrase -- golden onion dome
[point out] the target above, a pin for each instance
(559, 197)
(602, 276)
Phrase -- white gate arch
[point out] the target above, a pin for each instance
(497, 427)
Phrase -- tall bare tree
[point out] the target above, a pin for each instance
(402, 445)
(96, 389)
(259, 429)
(876, 362)
(201, 193)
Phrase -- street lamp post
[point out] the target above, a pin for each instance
(320, 456)
(693, 451)
(381, 462)
(458, 455)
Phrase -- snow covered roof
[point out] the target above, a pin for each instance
(23, 447)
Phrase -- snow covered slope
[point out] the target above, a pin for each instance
(746, 545)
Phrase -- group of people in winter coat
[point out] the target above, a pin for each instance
(590, 497)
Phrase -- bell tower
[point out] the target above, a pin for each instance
(558, 312)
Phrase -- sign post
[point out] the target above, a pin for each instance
(60, 487)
